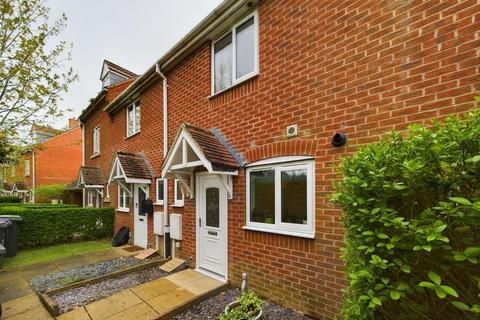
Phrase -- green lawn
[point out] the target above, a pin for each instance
(26, 257)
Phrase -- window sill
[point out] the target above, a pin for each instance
(158, 203)
(252, 76)
(132, 135)
(282, 232)
(124, 210)
(95, 155)
(177, 205)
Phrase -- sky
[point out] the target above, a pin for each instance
(130, 33)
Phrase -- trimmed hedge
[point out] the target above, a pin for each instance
(411, 208)
(38, 205)
(50, 225)
(9, 199)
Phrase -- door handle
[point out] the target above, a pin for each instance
(200, 222)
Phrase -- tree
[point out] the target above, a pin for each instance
(33, 70)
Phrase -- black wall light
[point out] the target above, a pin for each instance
(339, 139)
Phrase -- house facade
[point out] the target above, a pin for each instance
(54, 158)
(230, 132)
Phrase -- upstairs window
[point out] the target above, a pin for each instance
(133, 119)
(235, 54)
(27, 167)
(96, 140)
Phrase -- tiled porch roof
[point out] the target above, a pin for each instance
(215, 152)
(92, 176)
(134, 165)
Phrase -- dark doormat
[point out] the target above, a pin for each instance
(132, 248)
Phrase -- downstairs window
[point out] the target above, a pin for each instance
(280, 197)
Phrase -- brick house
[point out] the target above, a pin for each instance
(230, 132)
(55, 156)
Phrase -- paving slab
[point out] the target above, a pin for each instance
(170, 301)
(14, 288)
(21, 306)
(112, 305)
(139, 311)
(185, 277)
(36, 313)
(75, 314)
(153, 289)
(203, 286)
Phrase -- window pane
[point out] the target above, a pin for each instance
(294, 196)
(160, 190)
(179, 191)
(245, 41)
(223, 63)
(262, 196)
(130, 120)
(137, 117)
(127, 200)
(212, 207)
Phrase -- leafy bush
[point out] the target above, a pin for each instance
(38, 205)
(49, 225)
(9, 200)
(248, 308)
(412, 224)
(45, 193)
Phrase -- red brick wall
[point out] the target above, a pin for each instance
(57, 160)
(357, 67)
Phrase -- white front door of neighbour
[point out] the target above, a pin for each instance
(212, 225)
(140, 218)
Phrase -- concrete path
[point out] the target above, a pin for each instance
(151, 300)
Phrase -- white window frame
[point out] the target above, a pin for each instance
(135, 129)
(256, 68)
(96, 140)
(157, 198)
(292, 229)
(176, 202)
(121, 199)
(27, 167)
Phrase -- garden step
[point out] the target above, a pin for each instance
(172, 265)
(145, 254)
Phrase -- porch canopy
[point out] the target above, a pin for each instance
(129, 168)
(197, 149)
(90, 177)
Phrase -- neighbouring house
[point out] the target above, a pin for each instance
(230, 132)
(55, 156)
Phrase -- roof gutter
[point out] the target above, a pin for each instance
(193, 40)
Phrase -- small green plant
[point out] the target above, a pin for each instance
(248, 308)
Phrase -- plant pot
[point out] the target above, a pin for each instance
(234, 304)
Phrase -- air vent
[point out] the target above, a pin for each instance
(292, 131)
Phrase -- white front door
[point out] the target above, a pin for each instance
(140, 218)
(211, 225)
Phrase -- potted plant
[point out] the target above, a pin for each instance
(247, 307)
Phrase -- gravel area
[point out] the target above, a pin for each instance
(62, 278)
(77, 297)
(214, 306)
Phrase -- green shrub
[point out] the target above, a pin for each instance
(9, 200)
(38, 205)
(412, 224)
(45, 193)
(49, 225)
(248, 308)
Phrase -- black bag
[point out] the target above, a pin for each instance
(121, 237)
